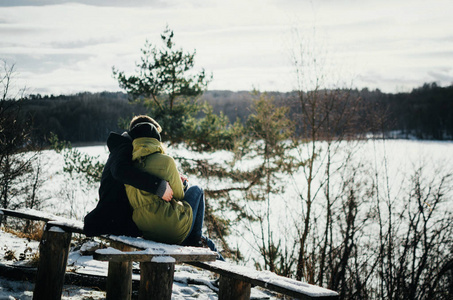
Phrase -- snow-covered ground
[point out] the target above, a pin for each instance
(68, 197)
(189, 282)
(393, 162)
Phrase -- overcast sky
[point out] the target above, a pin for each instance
(64, 47)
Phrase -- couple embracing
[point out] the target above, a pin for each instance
(142, 193)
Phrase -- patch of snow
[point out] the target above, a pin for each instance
(37, 213)
(85, 264)
(10, 289)
(59, 221)
(109, 250)
(152, 247)
(12, 247)
(163, 259)
(56, 229)
(273, 279)
(189, 283)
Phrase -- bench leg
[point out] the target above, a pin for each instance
(233, 289)
(156, 280)
(53, 257)
(119, 279)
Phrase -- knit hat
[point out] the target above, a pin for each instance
(144, 129)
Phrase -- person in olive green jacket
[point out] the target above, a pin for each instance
(161, 221)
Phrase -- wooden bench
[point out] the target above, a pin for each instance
(157, 271)
(157, 263)
(236, 281)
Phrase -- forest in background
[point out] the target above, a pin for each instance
(313, 132)
(424, 113)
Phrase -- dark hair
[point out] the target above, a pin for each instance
(144, 129)
(144, 119)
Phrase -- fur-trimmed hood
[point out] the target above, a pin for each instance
(145, 146)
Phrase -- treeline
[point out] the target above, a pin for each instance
(79, 118)
(424, 113)
(354, 227)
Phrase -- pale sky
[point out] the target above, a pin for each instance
(65, 47)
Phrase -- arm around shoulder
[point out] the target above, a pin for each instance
(124, 171)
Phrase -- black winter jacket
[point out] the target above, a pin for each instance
(113, 214)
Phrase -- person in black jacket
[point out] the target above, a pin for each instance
(113, 213)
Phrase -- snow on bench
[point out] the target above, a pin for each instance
(50, 219)
(30, 214)
(178, 253)
(155, 258)
(232, 274)
(156, 265)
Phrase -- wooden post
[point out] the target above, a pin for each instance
(156, 279)
(119, 279)
(1, 217)
(233, 289)
(53, 257)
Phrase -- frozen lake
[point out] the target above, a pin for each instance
(390, 164)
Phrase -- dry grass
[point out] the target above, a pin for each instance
(10, 255)
(32, 230)
(34, 259)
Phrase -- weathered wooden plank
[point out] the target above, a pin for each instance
(140, 256)
(142, 244)
(29, 215)
(26, 273)
(35, 215)
(235, 279)
(270, 281)
(53, 251)
(67, 225)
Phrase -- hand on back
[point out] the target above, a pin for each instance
(168, 195)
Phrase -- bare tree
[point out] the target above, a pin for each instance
(20, 167)
(323, 113)
(14, 137)
(270, 129)
(416, 240)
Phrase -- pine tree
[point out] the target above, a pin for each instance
(167, 86)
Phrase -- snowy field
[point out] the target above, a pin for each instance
(189, 282)
(394, 162)
(67, 196)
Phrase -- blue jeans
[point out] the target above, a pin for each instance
(195, 197)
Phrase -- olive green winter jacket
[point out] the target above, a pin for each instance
(160, 221)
